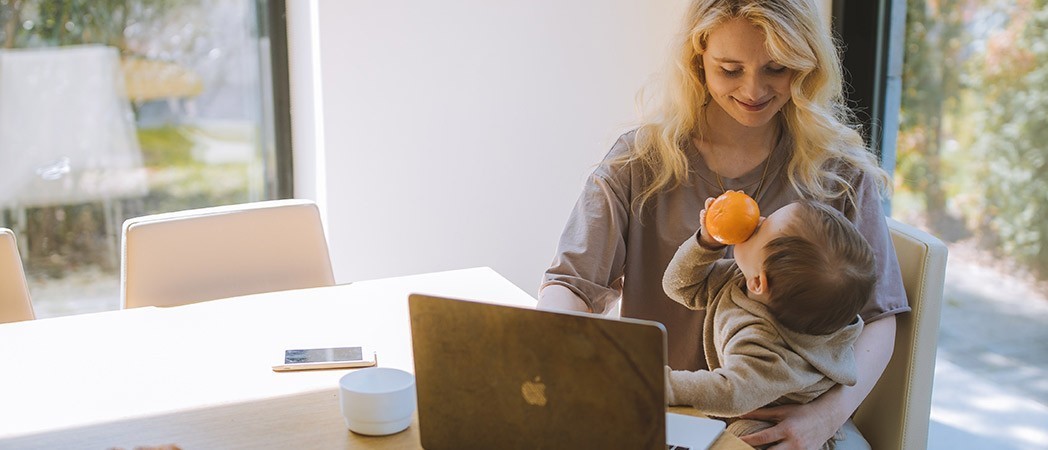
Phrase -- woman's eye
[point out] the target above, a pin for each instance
(731, 73)
(778, 70)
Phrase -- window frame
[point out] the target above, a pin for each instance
(873, 69)
(273, 27)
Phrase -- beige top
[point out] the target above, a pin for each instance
(608, 251)
(754, 361)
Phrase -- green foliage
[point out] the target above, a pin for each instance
(973, 138)
(165, 146)
(1013, 142)
(935, 41)
(51, 23)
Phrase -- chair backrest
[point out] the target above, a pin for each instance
(896, 413)
(15, 304)
(204, 254)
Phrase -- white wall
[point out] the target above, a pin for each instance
(458, 133)
(307, 137)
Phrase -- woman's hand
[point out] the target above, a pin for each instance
(811, 425)
(799, 427)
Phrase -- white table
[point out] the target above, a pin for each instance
(199, 376)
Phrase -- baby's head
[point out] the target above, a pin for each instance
(810, 265)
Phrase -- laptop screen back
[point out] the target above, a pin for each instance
(494, 376)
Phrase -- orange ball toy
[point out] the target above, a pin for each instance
(732, 217)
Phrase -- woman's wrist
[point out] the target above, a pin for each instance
(834, 406)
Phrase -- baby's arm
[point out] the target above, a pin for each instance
(749, 380)
(694, 274)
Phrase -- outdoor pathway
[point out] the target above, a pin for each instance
(991, 375)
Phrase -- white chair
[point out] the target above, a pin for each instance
(204, 254)
(895, 414)
(15, 303)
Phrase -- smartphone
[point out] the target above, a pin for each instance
(326, 358)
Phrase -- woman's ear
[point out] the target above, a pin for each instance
(758, 284)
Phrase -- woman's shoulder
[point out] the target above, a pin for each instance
(623, 146)
(619, 163)
(858, 186)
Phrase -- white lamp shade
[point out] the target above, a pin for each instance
(67, 132)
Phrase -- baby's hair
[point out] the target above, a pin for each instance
(821, 273)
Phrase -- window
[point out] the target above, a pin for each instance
(967, 144)
(110, 110)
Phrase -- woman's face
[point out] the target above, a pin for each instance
(741, 76)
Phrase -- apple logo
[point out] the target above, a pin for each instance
(534, 392)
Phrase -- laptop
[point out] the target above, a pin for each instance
(496, 376)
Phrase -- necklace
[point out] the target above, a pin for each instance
(767, 162)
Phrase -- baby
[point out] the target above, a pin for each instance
(781, 317)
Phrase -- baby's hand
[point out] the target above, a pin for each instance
(704, 236)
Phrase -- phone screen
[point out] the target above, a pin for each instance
(318, 355)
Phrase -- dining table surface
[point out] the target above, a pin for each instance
(200, 375)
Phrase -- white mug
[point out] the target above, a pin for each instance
(377, 401)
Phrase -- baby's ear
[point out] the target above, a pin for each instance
(758, 284)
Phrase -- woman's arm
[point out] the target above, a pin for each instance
(591, 254)
(810, 425)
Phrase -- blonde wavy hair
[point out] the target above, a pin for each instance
(826, 142)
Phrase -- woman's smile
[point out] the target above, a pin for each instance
(752, 106)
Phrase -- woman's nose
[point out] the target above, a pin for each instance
(753, 88)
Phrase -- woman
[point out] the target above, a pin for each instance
(753, 103)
